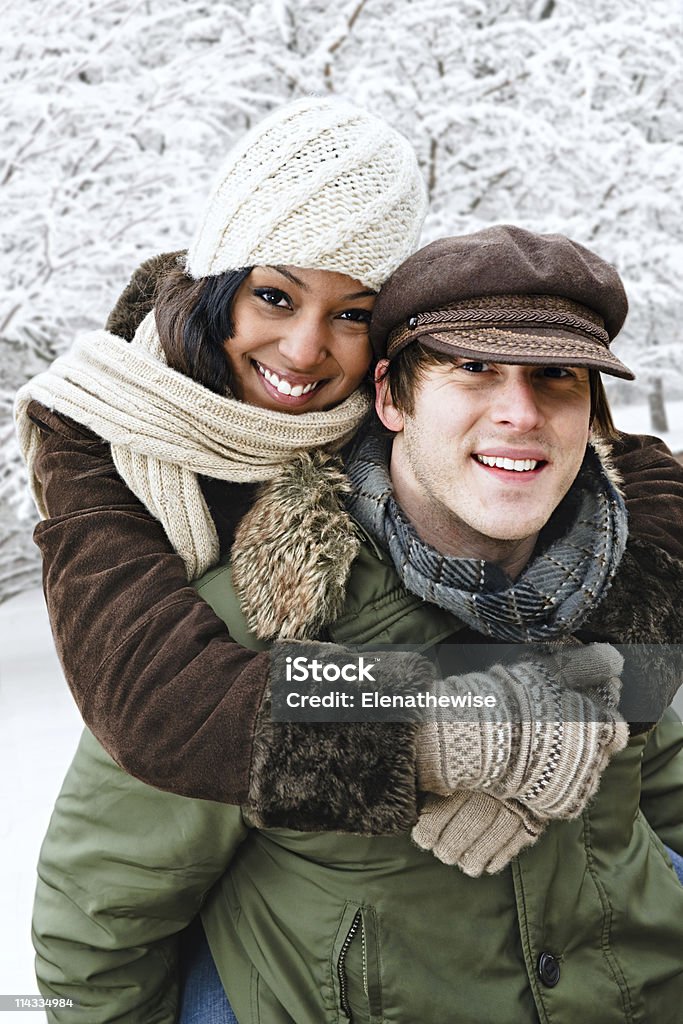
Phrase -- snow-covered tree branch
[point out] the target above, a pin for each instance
(557, 114)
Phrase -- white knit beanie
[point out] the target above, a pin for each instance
(318, 184)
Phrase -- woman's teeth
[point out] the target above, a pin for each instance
(283, 385)
(518, 465)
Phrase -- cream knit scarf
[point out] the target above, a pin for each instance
(165, 428)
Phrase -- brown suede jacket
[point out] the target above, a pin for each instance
(154, 672)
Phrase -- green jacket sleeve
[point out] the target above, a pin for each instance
(123, 869)
(662, 781)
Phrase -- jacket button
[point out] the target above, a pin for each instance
(548, 969)
(412, 322)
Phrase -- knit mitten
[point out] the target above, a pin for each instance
(546, 742)
(474, 831)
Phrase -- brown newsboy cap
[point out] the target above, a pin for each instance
(508, 295)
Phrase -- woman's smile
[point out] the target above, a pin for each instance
(286, 387)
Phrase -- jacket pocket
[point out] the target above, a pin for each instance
(356, 966)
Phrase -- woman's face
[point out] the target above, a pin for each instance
(300, 341)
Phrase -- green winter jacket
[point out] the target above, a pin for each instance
(587, 925)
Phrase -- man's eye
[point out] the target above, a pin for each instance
(474, 366)
(556, 372)
(274, 297)
(358, 316)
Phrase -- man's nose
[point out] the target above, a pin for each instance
(517, 404)
(304, 345)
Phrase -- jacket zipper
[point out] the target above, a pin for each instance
(341, 964)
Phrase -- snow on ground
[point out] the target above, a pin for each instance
(39, 728)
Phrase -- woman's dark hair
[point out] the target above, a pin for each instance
(194, 318)
(408, 369)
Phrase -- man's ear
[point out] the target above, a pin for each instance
(391, 417)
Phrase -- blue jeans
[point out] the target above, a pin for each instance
(203, 999)
(677, 862)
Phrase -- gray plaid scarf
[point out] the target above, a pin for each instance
(575, 558)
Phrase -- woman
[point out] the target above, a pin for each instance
(314, 208)
(319, 186)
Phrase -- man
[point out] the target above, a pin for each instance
(485, 516)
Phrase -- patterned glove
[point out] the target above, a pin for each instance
(474, 831)
(546, 743)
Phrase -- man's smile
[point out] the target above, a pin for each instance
(499, 462)
(512, 460)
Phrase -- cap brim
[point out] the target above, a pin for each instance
(541, 347)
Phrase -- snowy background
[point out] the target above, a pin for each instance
(555, 114)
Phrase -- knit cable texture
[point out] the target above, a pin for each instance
(319, 184)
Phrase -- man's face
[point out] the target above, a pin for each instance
(489, 452)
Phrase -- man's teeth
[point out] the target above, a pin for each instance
(283, 385)
(518, 465)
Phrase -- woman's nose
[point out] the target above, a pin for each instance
(304, 344)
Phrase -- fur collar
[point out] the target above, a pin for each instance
(294, 549)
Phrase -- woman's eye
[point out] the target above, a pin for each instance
(357, 316)
(274, 297)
